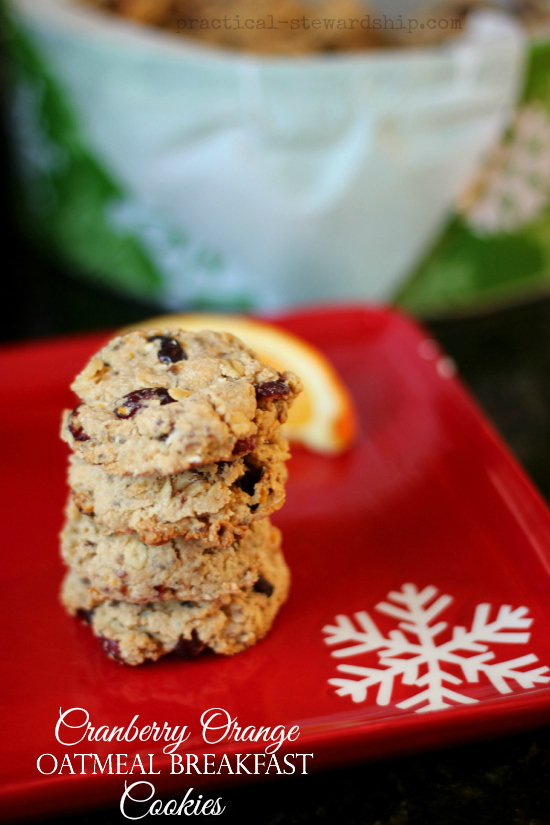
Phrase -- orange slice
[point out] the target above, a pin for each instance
(323, 416)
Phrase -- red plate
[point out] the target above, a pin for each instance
(427, 498)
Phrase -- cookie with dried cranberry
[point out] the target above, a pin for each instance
(134, 633)
(161, 402)
(120, 566)
(212, 502)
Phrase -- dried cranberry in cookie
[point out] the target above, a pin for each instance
(214, 502)
(111, 648)
(170, 350)
(272, 389)
(121, 567)
(161, 402)
(138, 399)
(262, 585)
(74, 428)
(134, 633)
(188, 648)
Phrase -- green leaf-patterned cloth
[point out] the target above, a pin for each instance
(496, 247)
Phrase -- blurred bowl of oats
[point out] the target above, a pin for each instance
(295, 164)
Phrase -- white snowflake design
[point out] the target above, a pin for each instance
(412, 654)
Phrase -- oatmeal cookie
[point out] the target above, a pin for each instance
(133, 633)
(120, 566)
(161, 402)
(212, 502)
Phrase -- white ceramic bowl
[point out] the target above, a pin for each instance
(194, 175)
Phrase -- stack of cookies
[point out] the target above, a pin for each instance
(177, 463)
